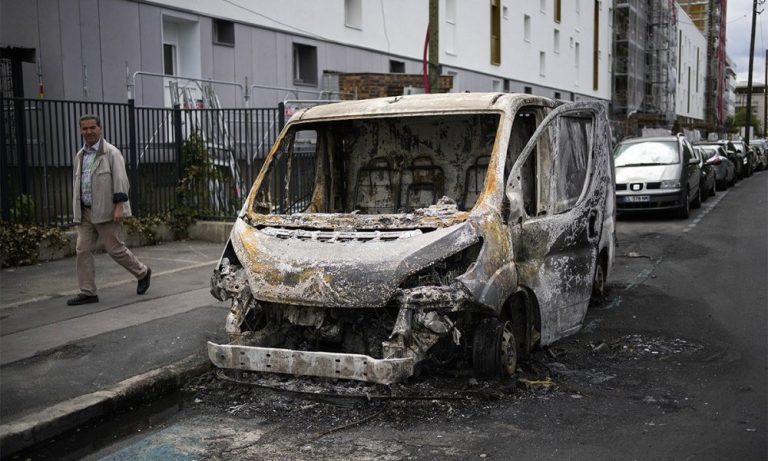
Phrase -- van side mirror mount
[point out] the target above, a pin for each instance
(515, 198)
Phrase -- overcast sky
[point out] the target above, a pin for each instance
(738, 27)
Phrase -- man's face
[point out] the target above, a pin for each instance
(90, 131)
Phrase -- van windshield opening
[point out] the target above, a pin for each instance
(383, 165)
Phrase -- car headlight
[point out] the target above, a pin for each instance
(670, 184)
(745, 160)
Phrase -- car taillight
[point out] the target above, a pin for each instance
(715, 161)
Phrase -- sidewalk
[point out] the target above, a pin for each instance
(62, 365)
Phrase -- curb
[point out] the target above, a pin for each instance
(70, 414)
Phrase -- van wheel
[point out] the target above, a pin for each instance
(697, 201)
(684, 211)
(494, 349)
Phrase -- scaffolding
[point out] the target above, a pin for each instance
(645, 55)
(662, 78)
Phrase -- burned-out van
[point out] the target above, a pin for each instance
(459, 229)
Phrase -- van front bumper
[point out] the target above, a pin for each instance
(306, 363)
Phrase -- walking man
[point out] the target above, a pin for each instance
(100, 202)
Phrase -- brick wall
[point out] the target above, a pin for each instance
(369, 85)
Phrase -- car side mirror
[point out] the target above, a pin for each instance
(693, 161)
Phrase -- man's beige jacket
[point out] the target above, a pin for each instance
(110, 184)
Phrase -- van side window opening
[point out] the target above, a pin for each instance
(522, 129)
(380, 166)
(571, 162)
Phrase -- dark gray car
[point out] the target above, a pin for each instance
(657, 173)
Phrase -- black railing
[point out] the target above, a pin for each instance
(39, 139)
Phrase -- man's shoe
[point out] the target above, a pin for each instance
(82, 298)
(143, 285)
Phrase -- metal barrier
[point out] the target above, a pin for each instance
(39, 139)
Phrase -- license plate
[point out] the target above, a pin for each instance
(637, 198)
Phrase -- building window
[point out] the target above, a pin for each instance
(610, 17)
(496, 85)
(596, 47)
(558, 11)
(495, 32)
(556, 42)
(576, 60)
(353, 13)
(169, 59)
(450, 26)
(697, 69)
(543, 6)
(557, 95)
(542, 63)
(679, 56)
(396, 67)
(505, 12)
(527, 90)
(527, 28)
(223, 32)
(304, 64)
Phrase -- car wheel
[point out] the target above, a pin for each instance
(494, 349)
(697, 201)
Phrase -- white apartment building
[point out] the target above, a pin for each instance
(89, 49)
(691, 68)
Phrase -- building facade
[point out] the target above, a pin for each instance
(691, 71)
(757, 104)
(106, 50)
(710, 18)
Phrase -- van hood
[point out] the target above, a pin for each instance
(650, 173)
(344, 269)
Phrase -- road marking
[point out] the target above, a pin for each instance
(705, 210)
(107, 285)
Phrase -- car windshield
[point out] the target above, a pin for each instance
(646, 153)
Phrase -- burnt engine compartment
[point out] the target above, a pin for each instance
(425, 318)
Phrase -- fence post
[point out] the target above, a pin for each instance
(134, 157)
(21, 143)
(4, 183)
(178, 141)
(280, 116)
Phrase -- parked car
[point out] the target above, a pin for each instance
(725, 171)
(707, 181)
(748, 157)
(761, 153)
(657, 173)
(739, 160)
(467, 228)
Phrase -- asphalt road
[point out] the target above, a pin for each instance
(672, 366)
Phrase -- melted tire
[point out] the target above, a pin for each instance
(494, 349)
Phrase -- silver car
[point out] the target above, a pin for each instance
(725, 170)
(658, 173)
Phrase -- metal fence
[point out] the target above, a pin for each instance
(40, 139)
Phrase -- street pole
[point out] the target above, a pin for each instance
(434, 45)
(765, 98)
(748, 115)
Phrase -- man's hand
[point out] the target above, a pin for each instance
(118, 213)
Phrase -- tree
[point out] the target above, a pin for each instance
(739, 119)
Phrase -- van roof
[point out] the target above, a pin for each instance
(420, 103)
